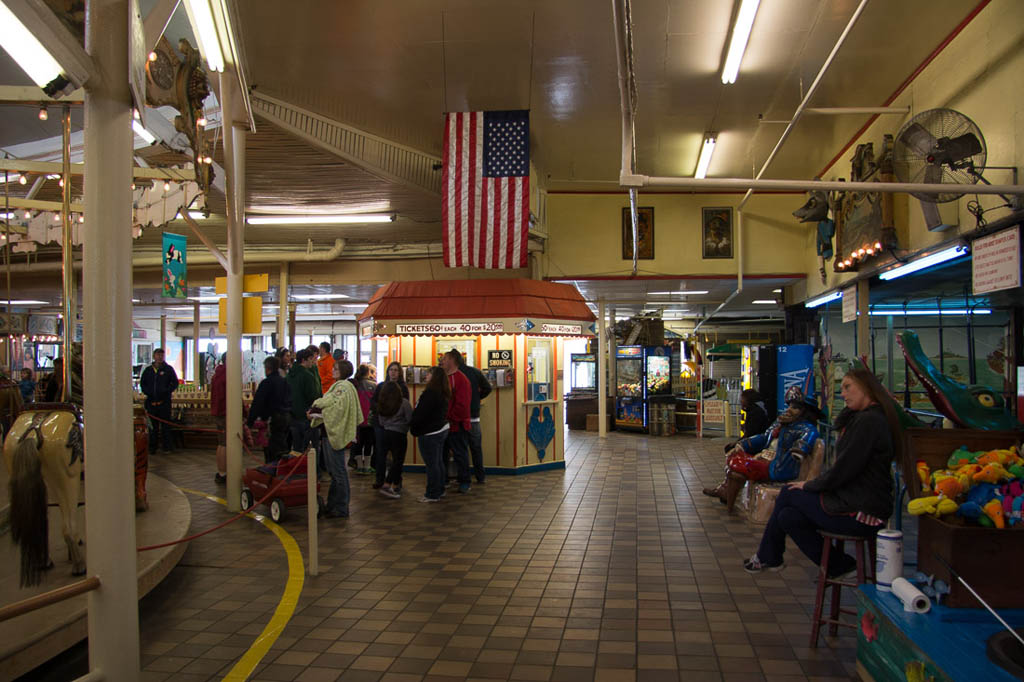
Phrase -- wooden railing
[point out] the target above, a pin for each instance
(48, 598)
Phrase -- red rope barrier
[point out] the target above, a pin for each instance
(234, 518)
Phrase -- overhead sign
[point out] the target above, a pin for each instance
(499, 359)
(850, 304)
(451, 328)
(561, 329)
(251, 284)
(995, 261)
(252, 315)
(715, 411)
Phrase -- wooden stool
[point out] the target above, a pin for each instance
(863, 551)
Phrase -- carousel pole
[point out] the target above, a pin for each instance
(196, 369)
(67, 270)
(7, 262)
(106, 287)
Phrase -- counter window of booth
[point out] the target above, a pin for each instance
(539, 370)
(466, 346)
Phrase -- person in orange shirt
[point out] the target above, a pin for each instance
(325, 365)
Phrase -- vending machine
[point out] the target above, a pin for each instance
(641, 372)
(629, 388)
(779, 367)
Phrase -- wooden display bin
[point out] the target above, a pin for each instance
(593, 422)
(985, 557)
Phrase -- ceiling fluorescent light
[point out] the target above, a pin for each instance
(344, 219)
(317, 297)
(201, 16)
(738, 43)
(23, 302)
(706, 150)
(765, 301)
(34, 59)
(827, 298)
(896, 312)
(688, 292)
(925, 262)
(143, 133)
(205, 299)
(197, 215)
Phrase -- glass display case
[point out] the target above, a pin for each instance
(659, 373)
(629, 388)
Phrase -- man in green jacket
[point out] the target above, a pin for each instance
(305, 389)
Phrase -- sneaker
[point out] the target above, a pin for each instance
(754, 565)
(464, 488)
(220, 479)
(388, 492)
(429, 499)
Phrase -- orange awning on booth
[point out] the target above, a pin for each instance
(508, 305)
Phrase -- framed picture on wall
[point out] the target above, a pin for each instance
(716, 232)
(645, 233)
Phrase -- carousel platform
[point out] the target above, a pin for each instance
(34, 638)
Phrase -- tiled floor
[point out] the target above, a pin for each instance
(615, 569)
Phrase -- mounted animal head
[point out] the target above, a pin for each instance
(815, 208)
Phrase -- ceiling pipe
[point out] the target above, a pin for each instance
(712, 184)
(627, 97)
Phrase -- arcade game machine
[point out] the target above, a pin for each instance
(660, 417)
(582, 373)
(629, 388)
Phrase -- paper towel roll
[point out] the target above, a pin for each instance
(888, 558)
(913, 599)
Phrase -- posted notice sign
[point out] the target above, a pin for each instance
(850, 304)
(715, 411)
(995, 261)
(499, 359)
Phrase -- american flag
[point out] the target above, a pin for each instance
(486, 180)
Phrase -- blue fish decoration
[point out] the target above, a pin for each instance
(541, 430)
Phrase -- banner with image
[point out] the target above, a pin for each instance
(174, 267)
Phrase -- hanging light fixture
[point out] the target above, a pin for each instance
(706, 150)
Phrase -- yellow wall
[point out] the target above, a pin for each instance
(503, 416)
(978, 74)
(586, 235)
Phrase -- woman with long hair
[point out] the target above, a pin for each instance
(394, 374)
(393, 415)
(429, 423)
(362, 453)
(853, 497)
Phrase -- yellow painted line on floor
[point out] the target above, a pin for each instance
(285, 608)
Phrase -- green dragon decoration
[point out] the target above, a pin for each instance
(972, 407)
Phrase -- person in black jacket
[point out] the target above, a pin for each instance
(429, 424)
(755, 420)
(273, 403)
(853, 497)
(158, 382)
(481, 388)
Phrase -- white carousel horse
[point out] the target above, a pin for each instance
(44, 453)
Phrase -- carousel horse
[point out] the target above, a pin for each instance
(44, 453)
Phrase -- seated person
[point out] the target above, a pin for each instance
(854, 497)
(755, 416)
(774, 455)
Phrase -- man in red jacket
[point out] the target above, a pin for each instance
(458, 418)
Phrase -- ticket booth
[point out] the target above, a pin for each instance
(512, 330)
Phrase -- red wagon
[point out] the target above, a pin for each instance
(258, 481)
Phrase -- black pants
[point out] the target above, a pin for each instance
(395, 443)
(277, 430)
(160, 433)
(364, 443)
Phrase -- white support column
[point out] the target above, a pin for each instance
(107, 284)
(373, 352)
(602, 373)
(282, 306)
(234, 153)
(197, 371)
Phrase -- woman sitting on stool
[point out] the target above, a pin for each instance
(854, 497)
(774, 455)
